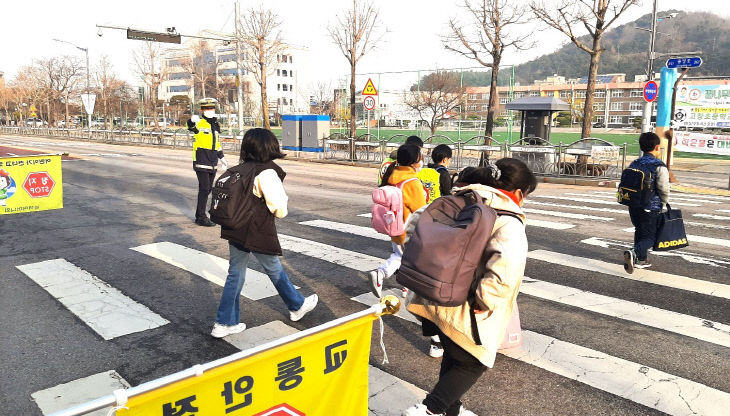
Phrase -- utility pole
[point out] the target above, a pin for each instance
(646, 120)
(239, 66)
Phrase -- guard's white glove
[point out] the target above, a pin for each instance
(224, 163)
(195, 119)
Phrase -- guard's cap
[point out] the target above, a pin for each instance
(206, 103)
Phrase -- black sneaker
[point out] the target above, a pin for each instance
(205, 222)
(629, 261)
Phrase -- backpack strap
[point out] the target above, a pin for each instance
(400, 185)
(501, 212)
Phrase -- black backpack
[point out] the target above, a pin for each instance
(637, 187)
(231, 205)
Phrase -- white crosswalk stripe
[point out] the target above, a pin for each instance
(697, 239)
(212, 268)
(723, 210)
(672, 197)
(648, 276)
(347, 228)
(613, 198)
(531, 202)
(79, 391)
(103, 308)
(566, 214)
(549, 224)
(712, 217)
(687, 256)
(328, 253)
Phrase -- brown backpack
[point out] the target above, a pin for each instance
(441, 258)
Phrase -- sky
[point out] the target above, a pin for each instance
(412, 31)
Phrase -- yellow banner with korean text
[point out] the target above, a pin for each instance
(320, 374)
(30, 183)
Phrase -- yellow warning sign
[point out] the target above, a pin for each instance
(369, 88)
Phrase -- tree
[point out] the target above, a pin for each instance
(440, 93)
(108, 85)
(201, 64)
(595, 16)
(149, 66)
(261, 40)
(356, 34)
(485, 37)
(321, 98)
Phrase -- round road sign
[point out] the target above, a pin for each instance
(369, 103)
(651, 90)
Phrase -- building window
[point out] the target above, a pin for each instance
(179, 75)
(580, 94)
(283, 101)
(503, 100)
(637, 93)
(636, 106)
(599, 119)
(485, 107)
(178, 88)
(615, 120)
(278, 72)
(291, 87)
(485, 96)
(599, 107)
(473, 107)
(565, 94)
(285, 87)
(534, 93)
(229, 71)
(617, 93)
(278, 87)
(599, 94)
(618, 106)
(283, 73)
(290, 59)
(173, 62)
(227, 58)
(291, 73)
(472, 96)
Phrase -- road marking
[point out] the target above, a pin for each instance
(347, 228)
(690, 257)
(102, 307)
(691, 326)
(697, 239)
(632, 381)
(568, 198)
(565, 214)
(712, 217)
(332, 254)
(549, 224)
(385, 391)
(212, 268)
(672, 197)
(679, 204)
(707, 225)
(368, 215)
(722, 210)
(576, 207)
(79, 391)
(648, 276)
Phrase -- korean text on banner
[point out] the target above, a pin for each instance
(30, 183)
(323, 373)
(714, 144)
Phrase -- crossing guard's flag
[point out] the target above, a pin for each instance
(325, 373)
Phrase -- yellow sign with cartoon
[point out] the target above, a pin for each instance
(324, 373)
(30, 183)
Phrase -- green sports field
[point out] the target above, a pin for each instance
(618, 139)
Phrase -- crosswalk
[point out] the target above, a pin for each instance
(112, 314)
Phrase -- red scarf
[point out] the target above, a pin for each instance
(511, 196)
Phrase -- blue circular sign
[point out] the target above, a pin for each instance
(651, 90)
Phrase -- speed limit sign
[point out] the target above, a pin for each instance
(369, 103)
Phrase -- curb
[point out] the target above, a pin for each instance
(686, 189)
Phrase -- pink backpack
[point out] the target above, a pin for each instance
(388, 209)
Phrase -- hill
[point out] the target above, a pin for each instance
(627, 48)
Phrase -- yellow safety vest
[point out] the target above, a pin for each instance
(205, 138)
(430, 178)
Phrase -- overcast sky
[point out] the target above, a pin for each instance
(412, 41)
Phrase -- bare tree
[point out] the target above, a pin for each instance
(201, 64)
(595, 16)
(439, 94)
(484, 37)
(149, 66)
(356, 34)
(108, 85)
(261, 40)
(321, 94)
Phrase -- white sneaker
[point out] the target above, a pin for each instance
(220, 331)
(436, 350)
(376, 282)
(464, 412)
(419, 410)
(309, 303)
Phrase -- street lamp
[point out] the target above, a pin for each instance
(88, 87)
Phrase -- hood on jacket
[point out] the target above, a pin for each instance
(401, 173)
(494, 198)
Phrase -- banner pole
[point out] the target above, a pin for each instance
(388, 305)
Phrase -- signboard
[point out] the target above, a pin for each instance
(685, 62)
(714, 144)
(706, 106)
(152, 36)
(369, 88)
(605, 152)
(89, 100)
(369, 103)
(325, 373)
(651, 90)
(33, 111)
(30, 183)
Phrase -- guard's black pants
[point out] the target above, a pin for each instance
(459, 371)
(205, 185)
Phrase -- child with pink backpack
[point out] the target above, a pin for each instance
(400, 194)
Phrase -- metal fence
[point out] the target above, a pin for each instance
(588, 157)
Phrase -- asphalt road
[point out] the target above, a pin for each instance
(121, 197)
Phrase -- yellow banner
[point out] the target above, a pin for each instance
(30, 183)
(322, 374)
